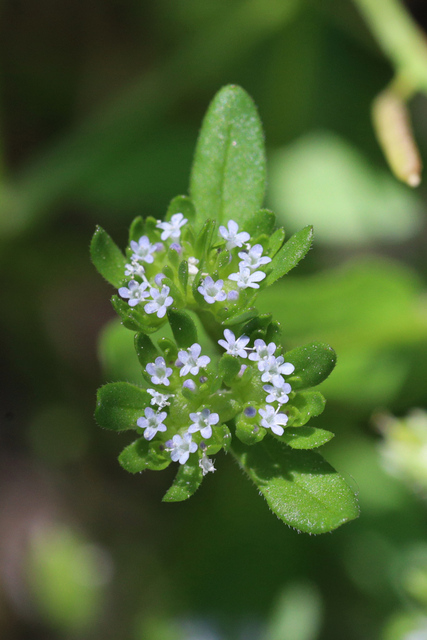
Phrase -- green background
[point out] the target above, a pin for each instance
(101, 103)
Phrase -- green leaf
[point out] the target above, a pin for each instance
(183, 328)
(183, 275)
(306, 437)
(119, 405)
(228, 175)
(184, 205)
(187, 481)
(248, 430)
(204, 239)
(313, 363)
(304, 406)
(300, 487)
(145, 349)
(261, 322)
(168, 348)
(132, 318)
(261, 222)
(276, 241)
(274, 332)
(137, 229)
(107, 257)
(141, 455)
(290, 254)
(228, 368)
(240, 317)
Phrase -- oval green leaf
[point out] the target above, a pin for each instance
(107, 257)
(313, 363)
(228, 174)
(300, 487)
(187, 481)
(119, 405)
(142, 455)
(290, 254)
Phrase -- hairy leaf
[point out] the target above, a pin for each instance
(300, 487)
(290, 254)
(119, 405)
(228, 175)
(107, 257)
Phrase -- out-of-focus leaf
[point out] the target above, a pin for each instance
(187, 481)
(300, 487)
(261, 222)
(296, 614)
(322, 180)
(184, 205)
(107, 257)
(371, 311)
(117, 353)
(292, 252)
(141, 455)
(228, 175)
(119, 405)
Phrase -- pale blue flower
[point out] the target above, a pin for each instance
(158, 371)
(245, 278)
(143, 249)
(172, 229)
(135, 292)
(232, 346)
(262, 351)
(203, 421)
(206, 464)
(253, 258)
(232, 235)
(212, 291)
(181, 447)
(272, 420)
(152, 423)
(160, 301)
(192, 361)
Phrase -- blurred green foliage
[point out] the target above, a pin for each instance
(101, 104)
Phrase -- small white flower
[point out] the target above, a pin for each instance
(158, 371)
(192, 360)
(278, 393)
(232, 346)
(152, 423)
(203, 421)
(172, 229)
(158, 278)
(231, 235)
(212, 291)
(135, 292)
(253, 258)
(181, 448)
(142, 250)
(247, 279)
(262, 351)
(192, 268)
(160, 300)
(272, 420)
(206, 464)
(159, 399)
(189, 384)
(135, 269)
(273, 369)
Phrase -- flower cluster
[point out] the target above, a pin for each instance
(199, 423)
(249, 273)
(227, 268)
(155, 296)
(272, 369)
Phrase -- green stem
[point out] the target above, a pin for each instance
(399, 37)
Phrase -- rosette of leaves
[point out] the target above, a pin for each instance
(223, 399)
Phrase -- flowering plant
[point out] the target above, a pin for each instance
(199, 272)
